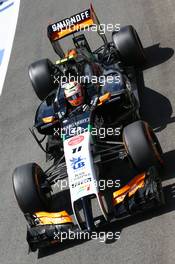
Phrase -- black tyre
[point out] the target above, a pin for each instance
(27, 180)
(142, 145)
(130, 48)
(40, 73)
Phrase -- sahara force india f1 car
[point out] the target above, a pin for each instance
(132, 156)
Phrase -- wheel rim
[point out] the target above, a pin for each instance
(153, 140)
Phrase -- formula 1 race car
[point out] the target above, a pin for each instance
(102, 139)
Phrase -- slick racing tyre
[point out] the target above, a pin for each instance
(129, 46)
(27, 180)
(40, 73)
(142, 145)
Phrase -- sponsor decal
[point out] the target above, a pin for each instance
(68, 22)
(75, 140)
(85, 187)
(80, 175)
(78, 123)
(81, 182)
(82, 121)
(77, 163)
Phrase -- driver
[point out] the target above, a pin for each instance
(76, 96)
(74, 93)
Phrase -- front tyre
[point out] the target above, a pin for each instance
(27, 184)
(142, 145)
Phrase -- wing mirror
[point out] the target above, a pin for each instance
(104, 98)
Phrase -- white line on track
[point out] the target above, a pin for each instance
(9, 10)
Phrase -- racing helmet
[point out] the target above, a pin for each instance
(74, 93)
(72, 52)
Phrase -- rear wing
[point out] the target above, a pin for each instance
(78, 22)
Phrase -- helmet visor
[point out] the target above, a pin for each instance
(74, 96)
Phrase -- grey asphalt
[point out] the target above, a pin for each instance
(146, 239)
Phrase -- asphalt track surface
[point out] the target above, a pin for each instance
(149, 238)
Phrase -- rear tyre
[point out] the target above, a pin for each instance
(27, 180)
(129, 45)
(40, 73)
(142, 145)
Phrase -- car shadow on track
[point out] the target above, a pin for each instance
(44, 252)
(156, 55)
(169, 172)
(156, 109)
